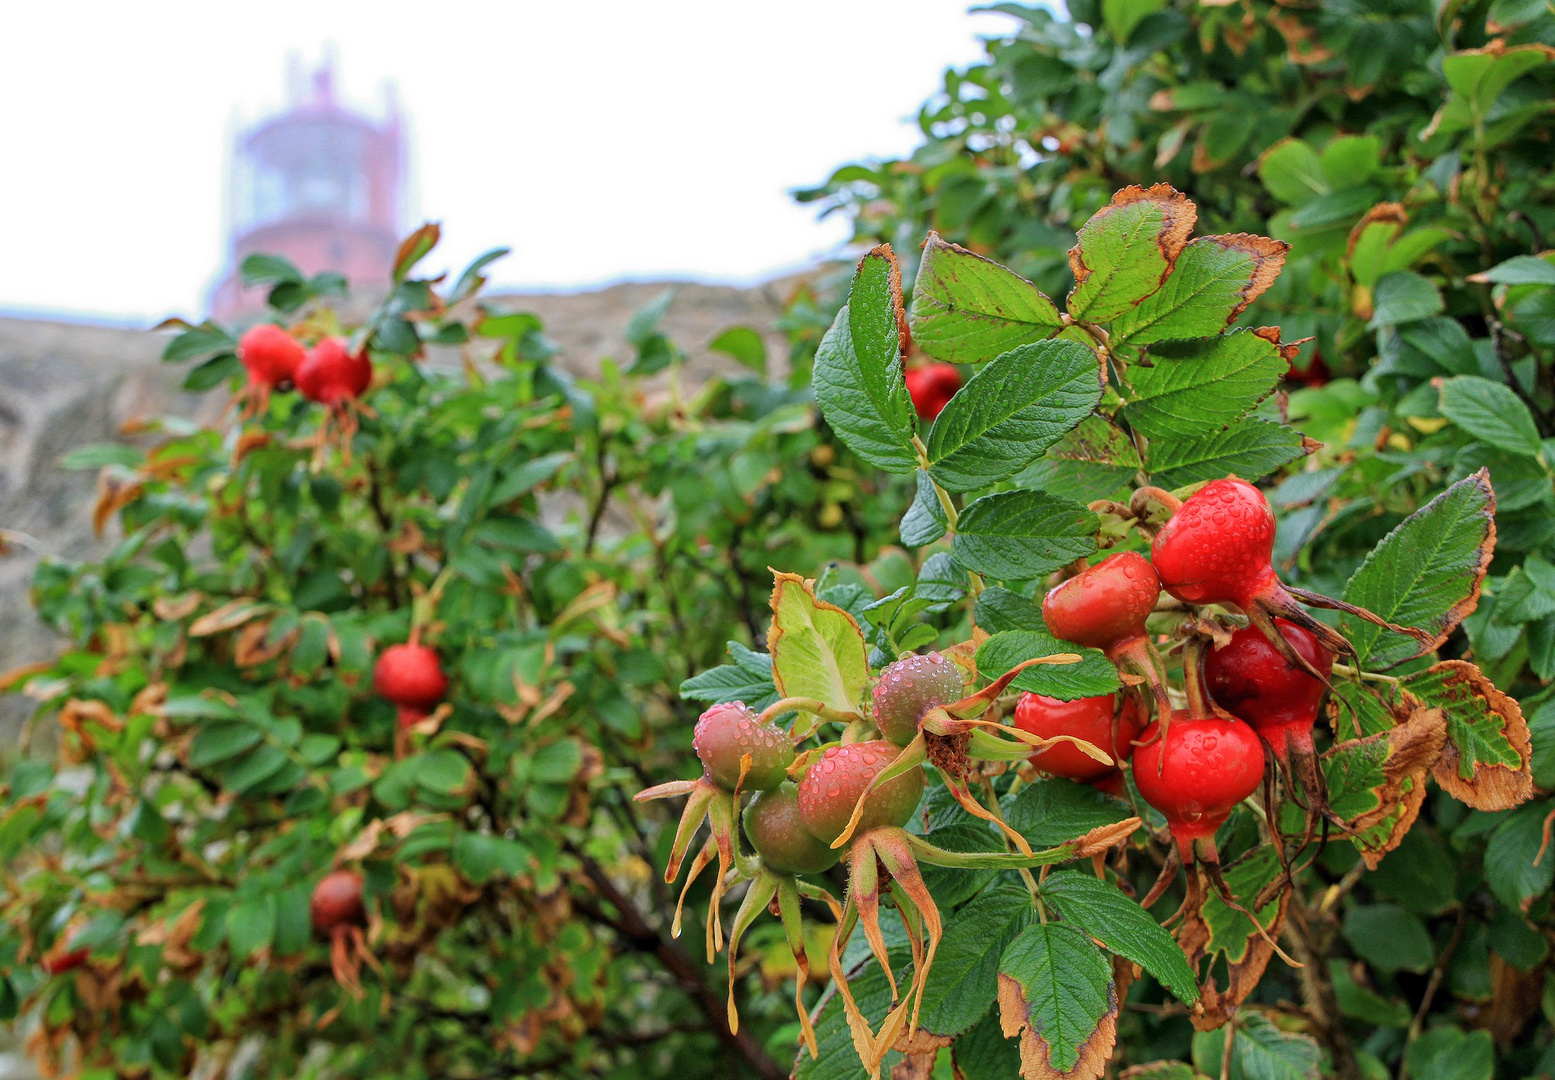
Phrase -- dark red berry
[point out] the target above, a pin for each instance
(1097, 720)
(831, 787)
(1251, 679)
(1103, 605)
(337, 902)
(1197, 774)
(331, 375)
(931, 387)
(270, 355)
(911, 687)
(410, 676)
(778, 833)
(727, 732)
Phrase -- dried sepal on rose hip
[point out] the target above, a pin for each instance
(787, 849)
(1217, 548)
(739, 751)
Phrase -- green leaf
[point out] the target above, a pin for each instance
(966, 309)
(443, 771)
(1049, 811)
(748, 679)
(1510, 867)
(1012, 411)
(254, 768)
(1019, 535)
(1092, 676)
(1122, 16)
(1486, 760)
(414, 248)
(743, 345)
(1480, 76)
(1361, 1003)
(964, 981)
(1204, 386)
(1215, 279)
(1446, 1053)
(557, 762)
(985, 1054)
(1351, 159)
(1126, 250)
(925, 520)
(526, 476)
(1056, 992)
(218, 742)
(293, 922)
(998, 610)
(1091, 462)
(213, 372)
(199, 340)
(817, 648)
(1260, 1051)
(1426, 573)
(1123, 927)
(1491, 412)
(1251, 449)
(251, 926)
(859, 382)
(1389, 938)
(1403, 296)
(101, 454)
(262, 269)
(1292, 173)
(837, 1059)
(1231, 932)
(1520, 270)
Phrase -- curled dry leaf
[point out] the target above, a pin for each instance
(1377, 784)
(1211, 929)
(1488, 756)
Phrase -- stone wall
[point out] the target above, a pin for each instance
(65, 385)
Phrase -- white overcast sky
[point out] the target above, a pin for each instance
(601, 141)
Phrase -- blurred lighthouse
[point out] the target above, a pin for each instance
(319, 184)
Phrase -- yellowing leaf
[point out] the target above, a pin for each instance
(817, 649)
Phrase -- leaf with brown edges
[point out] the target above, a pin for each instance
(1376, 784)
(1057, 993)
(1127, 249)
(1487, 758)
(1216, 277)
(1212, 930)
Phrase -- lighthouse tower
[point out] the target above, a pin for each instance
(319, 184)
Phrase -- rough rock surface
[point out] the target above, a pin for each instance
(65, 385)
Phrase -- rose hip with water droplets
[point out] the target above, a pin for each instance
(410, 676)
(727, 732)
(777, 832)
(931, 387)
(831, 787)
(1097, 720)
(270, 355)
(1196, 774)
(911, 687)
(332, 375)
(1216, 549)
(1104, 606)
(1251, 679)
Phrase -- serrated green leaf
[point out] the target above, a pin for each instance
(817, 648)
(1403, 296)
(1049, 811)
(1426, 574)
(1510, 869)
(1055, 989)
(1091, 462)
(1260, 1051)
(1019, 535)
(1521, 270)
(1492, 413)
(1204, 386)
(1092, 676)
(1486, 762)
(1389, 938)
(443, 771)
(1216, 277)
(1011, 412)
(1123, 927)
(1126, 250)
(867, 406)
(1292, 172)
(998, 609)
(925, 520)
(963, 983)
(967, 309)
(1251, 448)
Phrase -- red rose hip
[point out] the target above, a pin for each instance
(270, 355)
(1196, 774)
(1096, 720)
(337, 902)
(1253, 680)
(331, 375)
(410, 676)
(931, 387)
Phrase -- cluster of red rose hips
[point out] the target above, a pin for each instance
(1202, 755)
(329, 373)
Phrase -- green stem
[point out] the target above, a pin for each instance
(991, 800)
(952, 518)
(809, 705)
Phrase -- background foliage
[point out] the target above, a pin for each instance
(578, 547)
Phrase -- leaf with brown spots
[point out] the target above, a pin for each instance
(1216, 277)
(228, 616)
(1377, 783)
(1487, 758)
(1213, 930)
(1057, 993)
(1127, 249)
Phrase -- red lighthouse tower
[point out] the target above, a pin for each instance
(320, 185)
